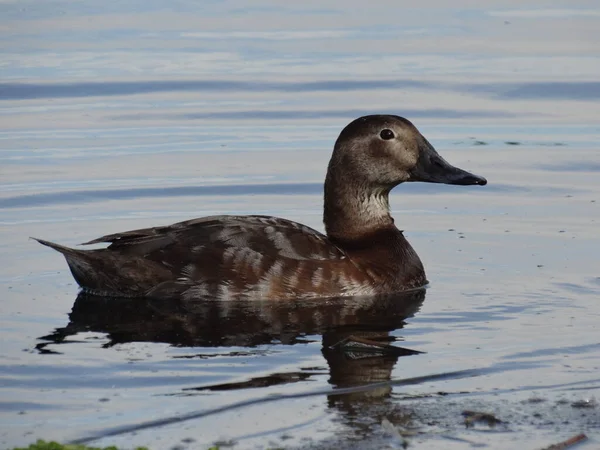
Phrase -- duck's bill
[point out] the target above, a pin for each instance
(432, 168)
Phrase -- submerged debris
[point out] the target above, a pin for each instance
(534, 400)
(586, 403)
(398, 433)
(568, 443)
(474, 417)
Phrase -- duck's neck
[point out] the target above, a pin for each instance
(353, 209)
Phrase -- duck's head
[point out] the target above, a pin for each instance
(383, 151)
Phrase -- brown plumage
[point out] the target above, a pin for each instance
(261, 257)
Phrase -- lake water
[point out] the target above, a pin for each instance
(122, 115)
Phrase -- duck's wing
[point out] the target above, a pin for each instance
(222, 257)
(264, 234)
(219, 257)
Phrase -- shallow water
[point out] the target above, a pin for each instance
(154, 112)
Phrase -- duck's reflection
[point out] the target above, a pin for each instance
(356, 340)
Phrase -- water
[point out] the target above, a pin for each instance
(123, 115)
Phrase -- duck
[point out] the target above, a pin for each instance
(258, 257)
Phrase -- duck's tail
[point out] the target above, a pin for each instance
(104, 272)
(59, 248)
(79, 261)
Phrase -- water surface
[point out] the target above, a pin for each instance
(135, 114)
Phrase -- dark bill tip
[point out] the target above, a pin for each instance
(469, 179)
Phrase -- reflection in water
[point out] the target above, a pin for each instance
(355, 335)
(245, 323)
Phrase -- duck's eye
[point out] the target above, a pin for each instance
(386, 134)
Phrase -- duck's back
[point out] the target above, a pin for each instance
(216, 257)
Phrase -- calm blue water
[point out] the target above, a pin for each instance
(122, 115)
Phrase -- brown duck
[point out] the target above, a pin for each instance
(262, 257)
